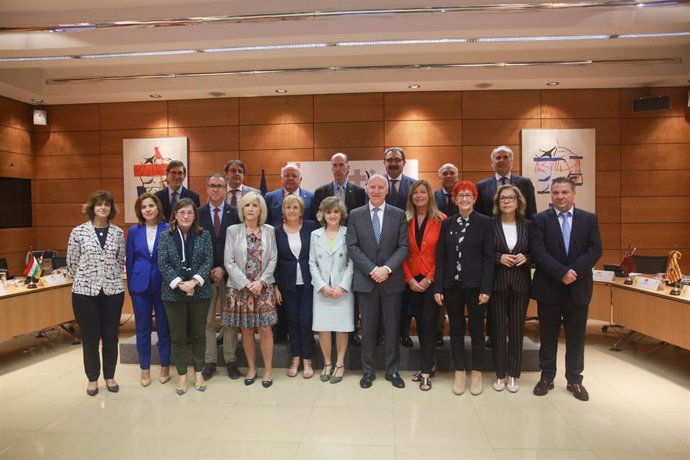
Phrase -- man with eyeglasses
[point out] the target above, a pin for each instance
(234, 175)
(215, 217)
(398, 183)
(175, 174)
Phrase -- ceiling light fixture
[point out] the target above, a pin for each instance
(415, 86)
(38, 101)
(552, 83)
(281, 91)
(155, 96)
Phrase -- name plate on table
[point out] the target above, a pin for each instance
(603, 276)
(685, 292)
(52, 280)
(650, 284)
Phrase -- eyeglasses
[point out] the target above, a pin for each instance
(507, 199)
(182, 213)
(393, 160)
(464, 196)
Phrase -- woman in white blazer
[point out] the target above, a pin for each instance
(331, 274)
(250, 260)
(95, 255)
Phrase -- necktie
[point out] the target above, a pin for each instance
(504, 180)
(393, 192)
(376, 223)
(565, 228)
(233, 197)
(448, 201)
(340, 192)
(174, 199)
(216, 222)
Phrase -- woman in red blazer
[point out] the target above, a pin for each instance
(424, 224)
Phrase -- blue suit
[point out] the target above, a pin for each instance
(274, 203)
(144, 284)
(445, 208)
(403, 190)
(164, 196)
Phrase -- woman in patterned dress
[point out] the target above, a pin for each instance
(250, 260)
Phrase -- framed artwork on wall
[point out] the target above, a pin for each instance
(551, 153)
(144, 163)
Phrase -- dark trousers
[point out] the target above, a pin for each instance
(144, 304)
(406, 318)
(373, 304)
(183, 317)
(356, 318)
(99, 322)
(425, 311)
(455, 300)
(299, 310)
(509, 310)
(574, 318)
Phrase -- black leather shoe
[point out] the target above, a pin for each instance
(266, 383)
(249, 380)
(395, 379)
(233, 371)
(406, 341)
(93, 392)
(578, 391)
(542, 387)
(439, 340)
(113, 389)
(367, 380)
(355, 341)
(208, 371)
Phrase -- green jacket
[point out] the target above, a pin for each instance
(170, 265)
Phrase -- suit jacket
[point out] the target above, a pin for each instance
(274, 203)
(403, 190)
(548, 252)
(330, 266)
(142, 267)
(164, 196)
(236, 255)
(517, 278)
(486, 189)
(478, 254)
(286, 267)
(355, 196)
(422, 261)
(229, 218)
(366, 254)
(448, 210)
(170, 264)
(94, 268)
(245, 189)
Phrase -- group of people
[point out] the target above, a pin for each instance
(297, 262)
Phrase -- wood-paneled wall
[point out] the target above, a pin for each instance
(642, 158)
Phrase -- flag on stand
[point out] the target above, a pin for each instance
(33, 268)
(673, 273)
(263, 188)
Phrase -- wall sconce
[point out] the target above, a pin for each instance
(40, 117)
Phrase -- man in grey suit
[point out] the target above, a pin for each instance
(377, 243)
(234, 175)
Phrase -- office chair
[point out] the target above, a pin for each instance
(650, 264)
(3, 266)
(58, 262)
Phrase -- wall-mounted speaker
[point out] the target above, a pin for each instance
(646, 104)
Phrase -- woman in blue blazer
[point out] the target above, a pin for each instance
(293, 282)
(144, 284)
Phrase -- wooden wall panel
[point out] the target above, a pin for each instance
(608, 157)
(207, 163)
(654, 183)
(67, 167)
(67, 143)
(500, 105)
(16, 239)
(54, 191)
(608, 183)
(203, 112)
(655, 156)
(607, 129)
(111, 140)
(608, 210)
(656, 235)
(610, 235)
(16, 165)
(59, 214)
(431, 158)
(348, 107)
(53, 237)
(112, 166)
(430, 105)
(654, 209)
(495, 132)
(272, 160)
(478, 157)
(675, 130)
(15, 140)
(73, 117)
(276, 110)
(265, 137)
(117, 188)
(678, 98)
(15, 114)
(353, 153)
(349, 134)
(134, 115)
(208, 139)
(581, 103)
(431, 132)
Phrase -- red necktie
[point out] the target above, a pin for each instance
(216, 222)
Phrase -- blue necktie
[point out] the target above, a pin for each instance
(376, 223)
(565, 228)
(173, 201)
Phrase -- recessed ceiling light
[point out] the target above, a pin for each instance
(415, 86)
(216, 94)
(483, 85)
(552, 83)
(37, 100)
(155, 96)
(281, 91)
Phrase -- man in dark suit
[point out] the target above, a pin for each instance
(565, 244)
(353, 196)
(216, 216)
(502, 163)
(398, 183)
(290, 177)
(175, 174)
(377, 243)
(449, 176)
(234, 175)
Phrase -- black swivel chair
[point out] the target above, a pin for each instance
(58, 262)
(3, 266)
(650, 264)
